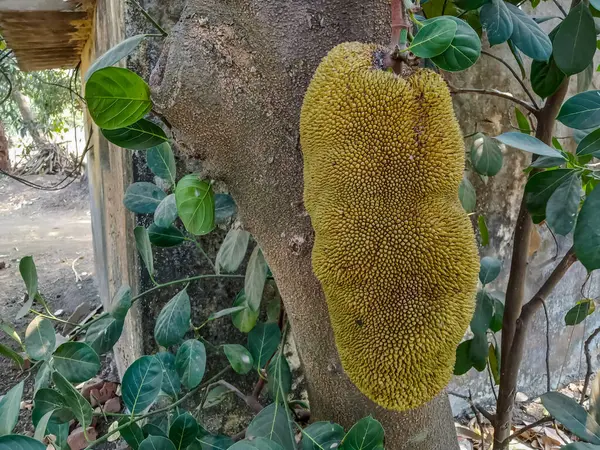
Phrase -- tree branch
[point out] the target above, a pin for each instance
(501, 61)
(528, 106)
(515, 354)
(588, 361)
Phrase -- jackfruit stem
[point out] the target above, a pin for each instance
(400, 22)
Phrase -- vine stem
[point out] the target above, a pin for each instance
(155, 288)
(528, 106)
(160, 410)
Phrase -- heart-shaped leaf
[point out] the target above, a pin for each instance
(367, 433)
(433, 38)
(174, 320)
(79, 406)
(195, 204)
(322, 436)
(117, 97)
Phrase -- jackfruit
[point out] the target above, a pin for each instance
(394, 250)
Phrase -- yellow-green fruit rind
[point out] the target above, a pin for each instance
(394, 250)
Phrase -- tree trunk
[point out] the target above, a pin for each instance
(28, 117)
(231, 81)
(4, 157)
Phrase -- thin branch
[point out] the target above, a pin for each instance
(528, 106)
(10, 87)
(500, 60)
(515, 354)
(150, 19)
(479, 424)
(484, 412)
(562, 10)
(588, 361)
(248, 399)
(537, 423)
(547, 347)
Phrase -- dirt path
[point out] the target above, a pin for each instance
(54, 227)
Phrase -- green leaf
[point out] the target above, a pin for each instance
(232, 251)
(584, 79)
(40, 338)
(117, 97)
(183, 431)
(10, 405)
(478, 351)
(143, 197)
(225, 207)
(546, 77)
(141, 384)
(141, 135)
(434, 38)
(81, 409)
(575, 43)
(580, 446)
(366, 434)
(157, 443)
(496, 322)
(263, 341)
(29, 274)
(469, 5)
(590, 145)
(489, 269)
(464, 50)
(494, 364)
(17, 442)
(435, 8)
(104, 334)
(213, 443)
(225, 312)
(171, 384)
(256, 444)
(239, 357)
(273, 423)
(174, 320)
(244, 320)
(322, 436)
(486, 156)
(115, 54)
(254, 281)
(483, 231)
(527, 143)
(132, 434)
(61, 431)
(165, 237)
(161, 161)
(484, 311)
(528, 36)
(279, 378)
(40, 429)
(563, 204)
(42, 377)
(524, 125)
(587, 232)
(518, 58)
(546, 162)
(539, 189)
(463, 358)
(191, 363)
(216, 395)
(156, 429)
(47, 400)
(195, 204)
(582, 111)
(12, 355)
(144, 248)
(579, 312)
(121, 302)
(572, 415)
(166, 211)
(497, 21)
(467, 195)
(76, 361)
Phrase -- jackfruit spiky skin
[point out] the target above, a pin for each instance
(394, 250)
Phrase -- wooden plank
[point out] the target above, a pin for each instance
(45, 17)
(39, 5)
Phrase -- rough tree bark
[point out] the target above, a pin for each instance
(29, 119)
(230, 81)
